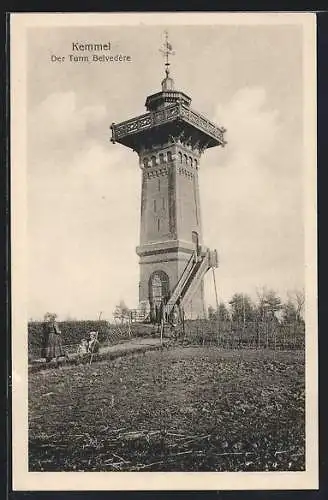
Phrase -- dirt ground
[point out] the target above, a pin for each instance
(180, 409)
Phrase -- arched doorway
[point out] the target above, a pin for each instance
(159, 290)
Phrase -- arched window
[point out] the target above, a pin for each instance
(153, 161)
(190, 161)
(169, 156)
(161, 157)
(196, 163)
(180, 157)
(185, 159)
(146, 162)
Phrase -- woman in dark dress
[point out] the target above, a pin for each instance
(52, 342)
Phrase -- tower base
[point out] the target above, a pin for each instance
(160, 270)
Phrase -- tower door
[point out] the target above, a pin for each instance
(158, 294)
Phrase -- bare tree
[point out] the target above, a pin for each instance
(297, 297)
(121, 312)
(268, 308)
(289, 312)
(269, 303)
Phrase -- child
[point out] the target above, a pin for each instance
(93, 346)
(83, 348)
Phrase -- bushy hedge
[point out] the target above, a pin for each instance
(73, 331)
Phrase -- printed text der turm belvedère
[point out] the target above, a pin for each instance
(91, 52)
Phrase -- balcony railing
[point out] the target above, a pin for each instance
(170, 113)
(201, 122)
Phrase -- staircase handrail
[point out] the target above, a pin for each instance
(179, 286)
(200, 273)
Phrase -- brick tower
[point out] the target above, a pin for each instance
(169, 140)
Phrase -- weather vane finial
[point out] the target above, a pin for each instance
(167, 51)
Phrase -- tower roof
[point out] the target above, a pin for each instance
(169, 115)
(165, 98)
(167, 83)
(168, 94)
(167, 50)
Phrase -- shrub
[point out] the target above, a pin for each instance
(71, 331)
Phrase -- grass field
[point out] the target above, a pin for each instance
(182, 409)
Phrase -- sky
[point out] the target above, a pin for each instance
(83, 195)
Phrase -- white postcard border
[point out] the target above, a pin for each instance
(57, 481)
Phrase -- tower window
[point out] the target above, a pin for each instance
(145, 162)
(195, 163)
(185, 158)
(180, 157)
(161, 158)
(154, 205)
(169, 156)
(190, 161)
(153, 161)
(163, 203)
(158, 225)
(159, 184)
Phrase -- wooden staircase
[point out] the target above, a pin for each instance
(191, 278)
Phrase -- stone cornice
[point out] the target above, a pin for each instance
(165, 247)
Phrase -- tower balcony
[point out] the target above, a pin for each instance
(177, 121)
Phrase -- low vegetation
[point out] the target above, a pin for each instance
(181, 409)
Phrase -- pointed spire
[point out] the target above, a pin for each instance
(167, 50)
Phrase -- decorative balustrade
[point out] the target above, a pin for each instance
(162, 116)
(130, 126)
(201, 122)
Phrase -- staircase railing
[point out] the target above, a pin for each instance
(182, 281)
(193, 273)
(191, 287)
